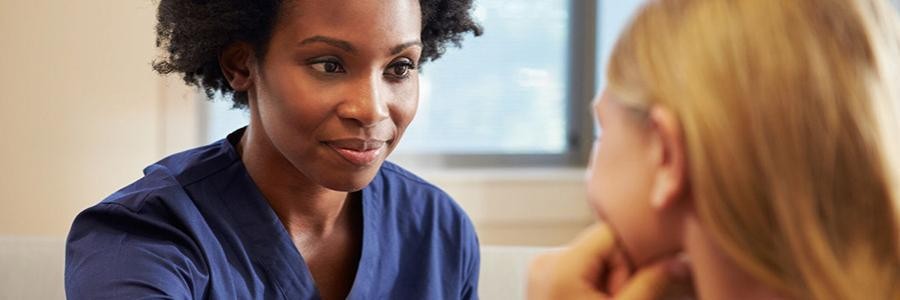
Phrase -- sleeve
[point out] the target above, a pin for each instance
(115, 253)
(471, 260)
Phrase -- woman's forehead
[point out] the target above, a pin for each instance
(352, 14)
(362, 23)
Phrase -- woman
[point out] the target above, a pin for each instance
(761, 139)
(299, 204)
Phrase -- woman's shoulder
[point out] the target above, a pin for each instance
(152, 222)
(166, 179)
(159, 200)
(137, 234)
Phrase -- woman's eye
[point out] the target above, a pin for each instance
(400, 69)
(328, 67)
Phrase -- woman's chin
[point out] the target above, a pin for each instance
(350, 181)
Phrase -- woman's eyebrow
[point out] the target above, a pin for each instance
(399, 48)
(337, 43)
(347, 46)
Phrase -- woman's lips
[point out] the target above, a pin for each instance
(359, 152)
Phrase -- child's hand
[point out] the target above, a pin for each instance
(593, 267)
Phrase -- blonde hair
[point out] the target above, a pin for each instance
(790, 113)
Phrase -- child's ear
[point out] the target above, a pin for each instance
(237, 62)
(670, 183)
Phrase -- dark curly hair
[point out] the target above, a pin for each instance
(194, 33)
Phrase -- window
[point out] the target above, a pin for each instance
(504, 92)
(517, 96)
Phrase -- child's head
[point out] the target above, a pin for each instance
(776, 124)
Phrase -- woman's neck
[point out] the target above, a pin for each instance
(302, 205)
(717, 276)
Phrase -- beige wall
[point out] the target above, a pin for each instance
(83, 113)
(79, 107)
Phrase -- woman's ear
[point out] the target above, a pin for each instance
(670, 182)
(238, 62)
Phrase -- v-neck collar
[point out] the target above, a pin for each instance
(269, 245)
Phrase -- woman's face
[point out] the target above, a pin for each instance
(338, 86)
(621, 178)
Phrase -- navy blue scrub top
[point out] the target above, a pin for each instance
(196, 227)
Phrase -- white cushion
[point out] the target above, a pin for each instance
(504, 271)
(32, 267)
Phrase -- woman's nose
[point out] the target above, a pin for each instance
(365, 102)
